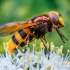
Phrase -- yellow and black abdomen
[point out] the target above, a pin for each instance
(18, 40)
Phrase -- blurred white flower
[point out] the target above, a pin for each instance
(36, 60)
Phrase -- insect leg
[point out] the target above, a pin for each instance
(61, 35)
(53, 29)
(46, 50)
(27, 46)
(44, 39)
(43, 43)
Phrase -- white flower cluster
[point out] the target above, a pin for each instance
(36, 60)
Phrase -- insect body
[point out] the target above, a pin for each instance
(24, 32)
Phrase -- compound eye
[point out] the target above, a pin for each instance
(53, 17)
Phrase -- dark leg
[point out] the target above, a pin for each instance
(27, 46)
(61, 35)
(44, 39)
(43, 43)
(47, 51)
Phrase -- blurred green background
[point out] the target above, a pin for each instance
(22, 10)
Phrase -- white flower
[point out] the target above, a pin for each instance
(36, 60)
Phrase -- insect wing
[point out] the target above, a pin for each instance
(12, 27)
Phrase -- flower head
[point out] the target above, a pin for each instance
(36, 60)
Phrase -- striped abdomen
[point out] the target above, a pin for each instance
(18, 40)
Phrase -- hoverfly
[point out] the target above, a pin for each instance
(34, 28)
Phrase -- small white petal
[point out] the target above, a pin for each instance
(35, 60)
